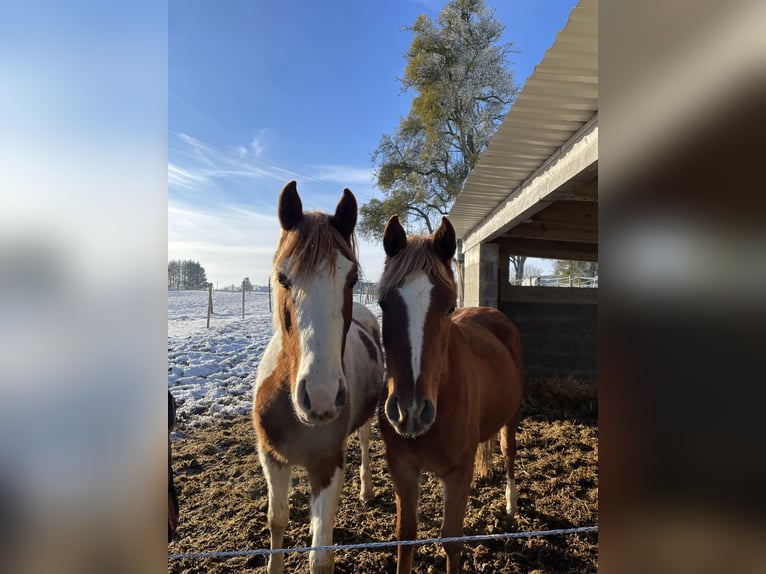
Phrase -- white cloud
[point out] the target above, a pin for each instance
(229, 242)
(203, 161)
(258, 145)
(345, 175)
(184, 178)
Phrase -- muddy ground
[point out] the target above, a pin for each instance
(223, 497)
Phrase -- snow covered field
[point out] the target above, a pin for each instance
(211, 371)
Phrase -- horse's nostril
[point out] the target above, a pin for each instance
(427, 413)
(340, 398)
(392, 410)
(303, 395)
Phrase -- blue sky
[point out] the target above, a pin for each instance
(263, 92)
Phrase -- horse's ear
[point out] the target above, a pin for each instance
(290, 206)
(394, 236)
(344, 219)
(444, 240)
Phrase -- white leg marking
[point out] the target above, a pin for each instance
(365, 473)
(278, 481)
(323, 509)
(417, 298)
(511, 497)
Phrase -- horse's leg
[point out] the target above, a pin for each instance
(508, 447)
(278, 480)
(365, 474)
(406, 480)
(457, 486)
(326, 484)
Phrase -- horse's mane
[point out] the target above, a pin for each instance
(417, 255)
(313, 239)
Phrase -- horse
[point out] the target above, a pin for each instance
(454, 380)
(321, 375)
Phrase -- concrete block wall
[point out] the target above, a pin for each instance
(480, 273)
(558, 327)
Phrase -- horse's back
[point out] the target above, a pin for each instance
(364, 316)
(363, 360)
(497, 323)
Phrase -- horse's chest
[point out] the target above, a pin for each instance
(287, 438)
(440, 450)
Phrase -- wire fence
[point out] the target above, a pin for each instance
(557, 281)
(384, 544)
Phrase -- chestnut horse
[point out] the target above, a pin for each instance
(454, 380)
(322, 373)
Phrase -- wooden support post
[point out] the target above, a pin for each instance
(209, 303)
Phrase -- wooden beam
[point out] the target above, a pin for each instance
(579, 214)
(548, 249)
(579, 191)
(554, 232)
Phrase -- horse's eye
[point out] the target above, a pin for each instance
(451, 310)
(283, 280)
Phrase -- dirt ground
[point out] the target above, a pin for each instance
(223, 497)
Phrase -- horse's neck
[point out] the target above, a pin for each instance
(459, 339)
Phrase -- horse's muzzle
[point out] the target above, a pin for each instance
(319, 412)
(410, 421)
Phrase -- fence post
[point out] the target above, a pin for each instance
(243, 299)
(209, 303)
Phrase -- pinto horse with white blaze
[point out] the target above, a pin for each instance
(322, 373)
(454, 380)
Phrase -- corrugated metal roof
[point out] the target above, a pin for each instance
(557, 99)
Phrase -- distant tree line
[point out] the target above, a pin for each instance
(233, 287)
(186, 275)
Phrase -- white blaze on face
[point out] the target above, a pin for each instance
(417, 299)
(319, 320)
